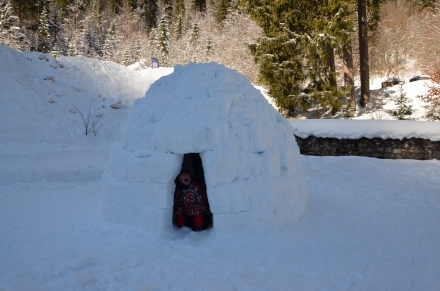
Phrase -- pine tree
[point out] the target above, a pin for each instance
(72, 49)
(138, 48)
(208, 52)
(223, 7)
(28, 11)
(179, 29)
(153, 42)
(127, 58)
(110, 43)
(163, 39)
(168, 10)
(179, 8)
(194, 42)
(296, 57)
(149, 13)
(55, 30)
(56, 52)
(10, 33)
(86, 43)
(44, 43)
(199, 5)
(403, 103)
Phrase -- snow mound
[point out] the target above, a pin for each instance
(40, 97)
(250, 157)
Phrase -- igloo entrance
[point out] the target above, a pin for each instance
(193, 164)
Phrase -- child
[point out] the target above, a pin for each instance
(190, 203)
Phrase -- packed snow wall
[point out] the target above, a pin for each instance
(249, 154)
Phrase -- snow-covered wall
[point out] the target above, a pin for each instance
(354, 129)
(250, 157)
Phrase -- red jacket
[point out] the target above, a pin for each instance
(190, 200)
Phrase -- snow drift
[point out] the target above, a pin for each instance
(250, 157)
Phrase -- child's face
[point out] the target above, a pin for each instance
(185, 178)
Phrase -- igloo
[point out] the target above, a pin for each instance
(250, 158)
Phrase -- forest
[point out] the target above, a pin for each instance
(305, 52)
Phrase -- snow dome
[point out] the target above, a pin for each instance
(249, 157)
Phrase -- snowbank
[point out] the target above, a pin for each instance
(250, 158)
(38, 96)
(354, 129)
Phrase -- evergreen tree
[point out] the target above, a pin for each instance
(28, 11)
(75, 12)
(138, 48)
(115, 6)
(208, 52)
(127, 58)
(72, 49)
(223, 7)
(168, 10)
(10, 34)
(110, 44)
(163, 41)
(44, 43)
(179, 8)
(179, 29)
(86, 43)
(194, 42)
(149, 13)
(55, 52)
(296, 57)
(153, 42)
(403, 103)
(55, 30)
(199, 5)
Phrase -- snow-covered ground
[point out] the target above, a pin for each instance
(370, 224)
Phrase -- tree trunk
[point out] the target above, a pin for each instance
(349, 79)
(331, 66)
(363, 53)
(332, 72)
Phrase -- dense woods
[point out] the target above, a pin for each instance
(306, 52)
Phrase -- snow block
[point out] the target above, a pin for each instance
(272, 163)
(155, 195)
(219, 166)
(260, 139)
(138, 169)
(243, 166)
(165, 167)
(229, 198)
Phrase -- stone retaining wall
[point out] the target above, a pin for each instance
(411, 148)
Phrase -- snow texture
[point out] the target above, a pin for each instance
(250, 158)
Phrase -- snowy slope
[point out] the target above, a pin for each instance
(369, 224)
(40, 124)
(38, 95)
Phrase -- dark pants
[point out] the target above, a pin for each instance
(189, 222)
